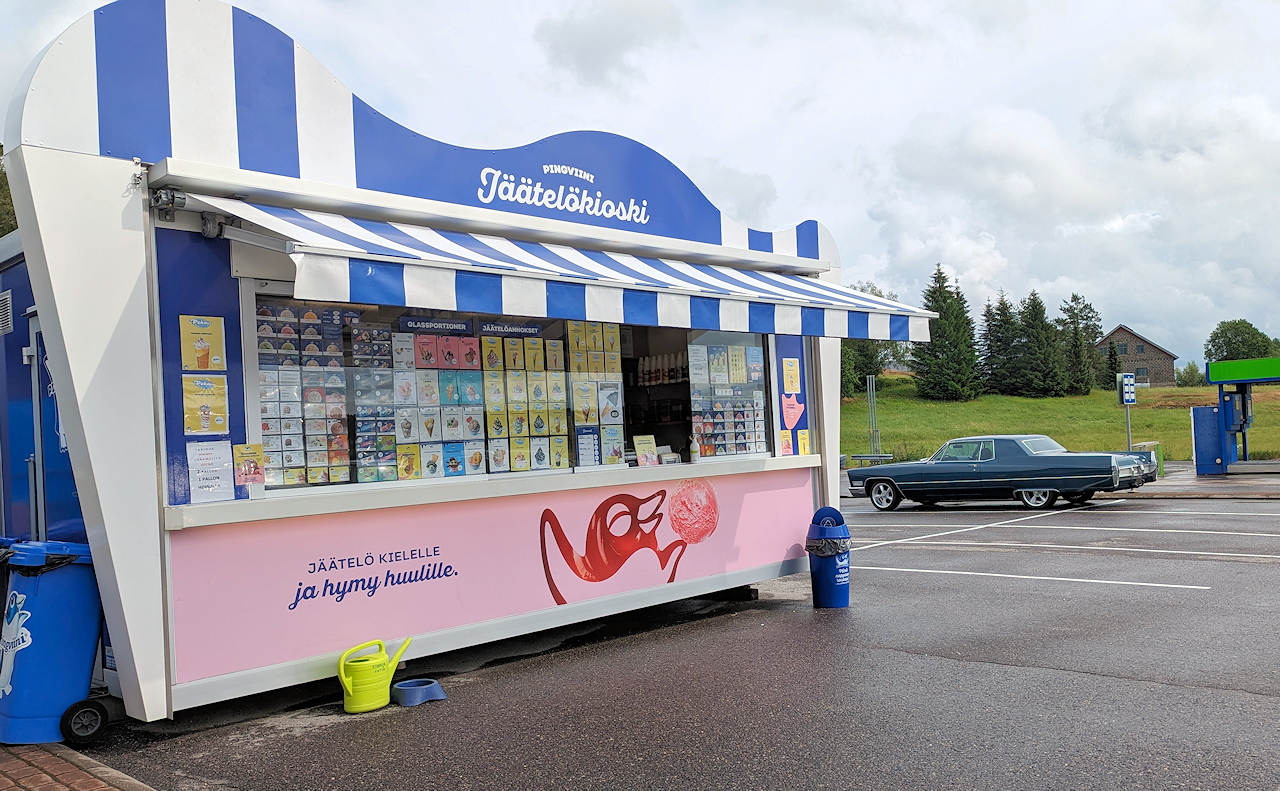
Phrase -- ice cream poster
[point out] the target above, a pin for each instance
(250, 464)
(204, 405)
(203, 346)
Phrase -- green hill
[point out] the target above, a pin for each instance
(911, 428)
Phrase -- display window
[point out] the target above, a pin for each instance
(363, 394)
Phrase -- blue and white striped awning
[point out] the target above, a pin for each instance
(349, 259)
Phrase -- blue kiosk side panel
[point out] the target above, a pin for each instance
(63, 517)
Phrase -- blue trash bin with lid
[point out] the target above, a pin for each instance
(48, 638)
(828, 545)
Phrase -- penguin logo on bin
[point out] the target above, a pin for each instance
(13, 638)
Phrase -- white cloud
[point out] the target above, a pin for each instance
(598, 41)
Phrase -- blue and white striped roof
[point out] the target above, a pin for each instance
(350, 259)
(201, 81)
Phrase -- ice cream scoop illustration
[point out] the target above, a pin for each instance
(491, 359)
(13, 638)
(470, 357)
(406, 428)
(539, 456)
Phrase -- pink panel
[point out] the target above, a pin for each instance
(259, 593)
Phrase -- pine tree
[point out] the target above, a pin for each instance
(1113, 366)
(1040, 366)
(986, 364)
(1001, 341)
(947, 367)
(1080, 326)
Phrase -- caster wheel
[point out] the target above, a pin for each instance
(84, 722)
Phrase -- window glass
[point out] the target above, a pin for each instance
(1140, 372)
(1041, 445)
(963, 450)
(1140, 349)
(727, 391)
(1122, 348)
(988, 451)
(360, 394)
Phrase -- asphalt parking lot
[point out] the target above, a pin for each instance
(1125, 644)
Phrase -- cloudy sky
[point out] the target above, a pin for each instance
(1126, 151)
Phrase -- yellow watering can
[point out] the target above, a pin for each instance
(366, 680)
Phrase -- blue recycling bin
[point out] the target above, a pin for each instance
(828, 545)
(48, 638)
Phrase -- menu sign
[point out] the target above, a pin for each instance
(202, 342)
(204, 405)
(209, 471)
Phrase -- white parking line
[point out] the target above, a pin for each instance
(1149, 530)
(978, 527)
(1273, 515)
(1095, 549)
(1029, 577)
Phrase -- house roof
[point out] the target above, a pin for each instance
(1102, 341)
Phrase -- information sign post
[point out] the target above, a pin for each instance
(1127, 393)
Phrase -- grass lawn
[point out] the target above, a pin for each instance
(911, 428)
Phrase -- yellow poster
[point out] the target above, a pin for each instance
(790, 375)
(586, 409)
(204, 405)
(577, 332)
(802, 442)
(738, 365)
(595, 336)
(784, 443)
(611, 339)
(249, 464)
(203, 347)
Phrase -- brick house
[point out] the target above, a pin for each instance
(1149, 363)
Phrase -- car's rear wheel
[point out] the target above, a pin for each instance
(884, 495)
(1037, 498)
(1079, 499)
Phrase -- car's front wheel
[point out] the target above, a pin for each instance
(1037, 498)
(884, 495)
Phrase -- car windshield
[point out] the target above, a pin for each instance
(1041, 445)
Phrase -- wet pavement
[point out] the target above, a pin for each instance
(1127, 644)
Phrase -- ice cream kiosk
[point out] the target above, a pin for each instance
(322, 378)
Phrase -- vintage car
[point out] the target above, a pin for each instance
(1031, 468)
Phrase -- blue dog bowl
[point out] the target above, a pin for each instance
(417, 690)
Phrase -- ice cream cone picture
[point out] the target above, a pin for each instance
(202, 353)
